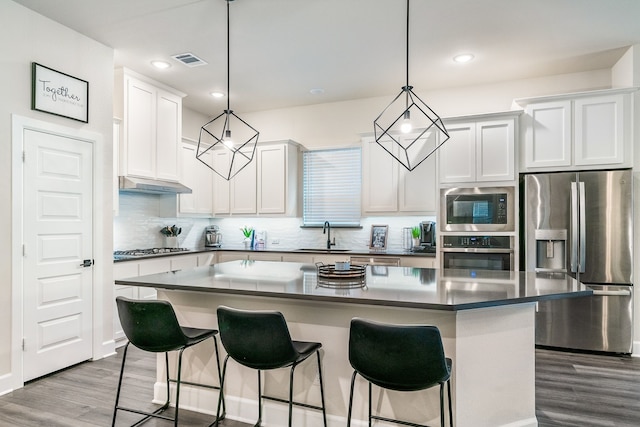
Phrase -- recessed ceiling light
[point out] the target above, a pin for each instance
(217, 94)
(317, 91)
(462, 58)
(161, 65)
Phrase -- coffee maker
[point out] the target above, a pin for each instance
(427, 237)
(212, 237)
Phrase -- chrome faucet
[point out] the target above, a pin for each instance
(326, 229)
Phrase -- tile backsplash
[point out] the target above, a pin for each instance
(138, 226)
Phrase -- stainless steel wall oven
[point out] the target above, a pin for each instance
(477, 252)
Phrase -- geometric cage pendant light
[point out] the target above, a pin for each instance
(408, 129)
(223, 151)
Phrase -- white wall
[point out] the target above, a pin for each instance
(25, 37)
(340, 124)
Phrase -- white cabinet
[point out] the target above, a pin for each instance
(388, 187)
(199, 178)
(152, 126)
(577, 131)
(265, 256)
(135, 268)
(478, 151)
(266, 186)
(277, 183)
(238, 195)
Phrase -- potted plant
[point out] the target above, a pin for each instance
(248, 233)
(415, 234)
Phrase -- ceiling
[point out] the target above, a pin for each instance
(281, 49)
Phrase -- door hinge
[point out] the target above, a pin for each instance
(24, 251)
(24, 156)
(22, 344)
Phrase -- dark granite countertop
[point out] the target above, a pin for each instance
(422, 288)
(349, 252)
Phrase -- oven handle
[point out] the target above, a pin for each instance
(478, 250)
(620, 293)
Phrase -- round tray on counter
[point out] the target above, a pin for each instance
(330, 277)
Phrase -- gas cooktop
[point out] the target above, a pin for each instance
(136, 253)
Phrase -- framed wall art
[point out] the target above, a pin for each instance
(378, 239)
(58, 93)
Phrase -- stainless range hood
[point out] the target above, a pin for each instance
(151, 186)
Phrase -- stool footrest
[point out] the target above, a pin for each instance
(214, 387)
(390, 420)
(305, 405)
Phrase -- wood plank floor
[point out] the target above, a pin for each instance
(571, 390)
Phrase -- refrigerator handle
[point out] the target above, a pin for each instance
(573, 256)
(583, 229)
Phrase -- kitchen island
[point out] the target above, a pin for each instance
(486, 319)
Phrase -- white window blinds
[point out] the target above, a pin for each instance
(331, 181)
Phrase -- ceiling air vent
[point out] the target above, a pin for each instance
(189, 59)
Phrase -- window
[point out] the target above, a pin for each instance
(331, 185)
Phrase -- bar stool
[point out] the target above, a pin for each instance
(398, 357)
(151, 325)
(260, 340)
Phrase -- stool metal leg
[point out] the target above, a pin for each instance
(259, 400)
(450, 408)
(369, 403)
(293, 367)
(353, 381)
(175, 419)
(224, 407)
(115, 408)
(324, 412)
(220, 397)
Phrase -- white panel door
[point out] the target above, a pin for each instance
(221, 162)
(379, 179)
(548, 137)
(57, 293)
(168, 135)
(140, 129)
(418, 189)
(495, 158)
(599, 130)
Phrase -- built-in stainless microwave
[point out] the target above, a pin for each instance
(477, 209)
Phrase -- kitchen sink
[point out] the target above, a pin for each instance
(323, 250)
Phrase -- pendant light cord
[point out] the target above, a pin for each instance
(229, 59)
(407, 53)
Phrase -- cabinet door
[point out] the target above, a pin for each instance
(265, 256)
(168, 134)
(220, 185)
(599, 130)
(140, 130)
(206, 259)
(458, 154)
(495, 145)
(231, 256)
(379, 180)
(184, 262)
(199, 178)
(243, 188)
(548, 136)
(272, 179)
(418, 189)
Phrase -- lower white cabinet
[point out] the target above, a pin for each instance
(142, 267)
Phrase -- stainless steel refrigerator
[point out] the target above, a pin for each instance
(582, 223)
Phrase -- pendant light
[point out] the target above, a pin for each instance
(408, 128)
(227, 143)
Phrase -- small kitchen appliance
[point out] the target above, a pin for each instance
(212, 237)
(427, 237)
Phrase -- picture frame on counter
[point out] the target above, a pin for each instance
(59, 94)
(378, 237)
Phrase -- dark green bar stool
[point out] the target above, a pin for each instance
(151, 325)
(398, 357)
(260, 340)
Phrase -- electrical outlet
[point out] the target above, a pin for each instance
(275, 242)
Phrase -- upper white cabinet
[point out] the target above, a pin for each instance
(388, 187)
(577, 131)
(266, 186)
(479, 150)
(199, 178)
(151, 126)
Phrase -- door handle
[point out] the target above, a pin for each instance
(87, 263)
